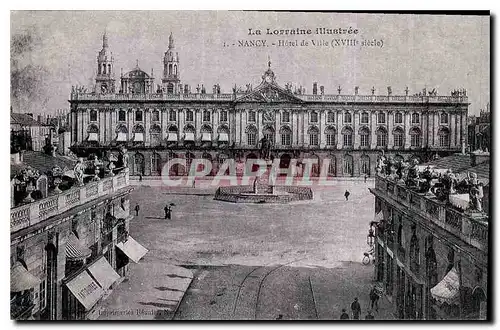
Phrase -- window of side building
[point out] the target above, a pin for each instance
(415, 118)
(156, 115)
(285, 117)
(252, 136)
(223, 115)
(172, 115)
(206, 115)
(138, 115)
(286, 136)
(381, 118)
(444, 118)
(398, 118)
(398, 137)
(189, 115)
(93, 115)
(364, 118)
(381, 137)
(314, 117)
(122, 115)
(347, 134)
(313, 136)
(415, 135)
(330, 117)
(347, 118)
(251, 116)
(365, 137)
(331, 136)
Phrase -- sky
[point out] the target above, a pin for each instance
(419, 51)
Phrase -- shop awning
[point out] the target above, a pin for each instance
(448, 290)
(93, 137)
(75, 250)
(138, 137)
(172, 137)
(102, 271)
(132, 249)
(206, 137)
(21, 279)
(85, 289)
(223, 137)
(188, 136)
(122, 137)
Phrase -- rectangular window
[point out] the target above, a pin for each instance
(251, 139)
(156, 116)
(206, 115)
(364, 118)
(381, 118)
(330, 140)
(286, 117)
(121, 115)
(398, 140)
(251, 116)
(313, 139)
(314, 117)
(381, 140)
(415, 140)
(347, 140)
(365, 140)
(331, 117)
(444, 140)
(138, 116)
(189, 115)
(286, 139)
(223, 116)
(172, 115)
(347, 118)
(398, 118)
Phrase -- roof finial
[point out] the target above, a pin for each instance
(137, 64)
(105, 39)
(269, 61)
(171, 41)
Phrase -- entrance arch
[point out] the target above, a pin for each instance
(285, 163)
(138, 164)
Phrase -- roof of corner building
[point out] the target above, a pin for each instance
(24, 119)
(41, 162)
(456, 162)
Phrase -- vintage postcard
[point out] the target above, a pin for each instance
(246, 165)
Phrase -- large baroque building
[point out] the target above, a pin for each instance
(170, 121)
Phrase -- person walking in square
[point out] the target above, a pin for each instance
(356, 309)
(137, 208)
(167, 212)
(346, 195)
(344, 315)
(374, 297)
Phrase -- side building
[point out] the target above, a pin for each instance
(347, 130)
(431, 244)
(70, 242)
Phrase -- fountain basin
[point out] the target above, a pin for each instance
(246, 194)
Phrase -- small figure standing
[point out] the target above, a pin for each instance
(374, 297)
(168, 212)
(369, 316)
(356, 309)
(344, 315)
(137, 208)
(346, 195)
(140, 177)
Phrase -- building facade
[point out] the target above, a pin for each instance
(32, 132)
(431, 255)
(70, 243)
(170, 121)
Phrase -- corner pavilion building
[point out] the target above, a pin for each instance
(170, 121)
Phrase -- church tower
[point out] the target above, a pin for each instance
(171, 76)
(105, 80)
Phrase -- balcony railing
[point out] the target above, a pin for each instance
(231, 97)
(472, 230)
(30, 214)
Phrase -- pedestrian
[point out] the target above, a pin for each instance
(167, 212)
(140, 177)
(369, 316)
(356, 309)
(346, 195)
(374, 297)
(344, 315)
(194, 183)
(137, 208)
(366, 176)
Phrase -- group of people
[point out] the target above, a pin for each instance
(356, 307)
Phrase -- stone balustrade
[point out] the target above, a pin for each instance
(471, 228)
(308, 98)
(29, 214)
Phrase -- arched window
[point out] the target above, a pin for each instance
(156, 115)
(398, 137)
(189, 115)
(365, 165)
(347, 134)
(313, 136)
(155, 164)
(348, 165)
(138, 115)
(444, 137)
(170, 88)
(415, 118)
(381, 118)
(138, 164)
(286, 136)
(172, 115)
(155, 135)
(206, 115)
(269, 134)
(104, 69)
(414, 254)
(364, 133)
(314, 117)
(121, 133)
(175, 70)
(223, 115)
(444, 118)
(99, 69)
(330, 117)
(347, 118)
(331, 136)
(381, 137)
(415, 135)
(332, 167)
(398, 118)
(122, 116)
(109, 68)
(251, 136)
(170, 69)
(364, 118)
(285, 117)
(93, 115)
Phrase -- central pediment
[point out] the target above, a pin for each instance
(269, 93)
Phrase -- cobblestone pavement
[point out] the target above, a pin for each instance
(301, 260)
